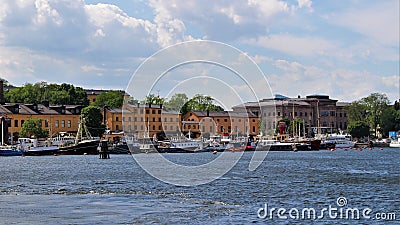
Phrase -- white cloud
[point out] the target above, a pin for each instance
(295, 45)
(379, 21)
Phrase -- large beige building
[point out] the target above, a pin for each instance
(314, 110)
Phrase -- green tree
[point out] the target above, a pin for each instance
(152, 99)
(93, 120)
(176, 102)
(113, 99)
(358, 129)
(65, 94)
(376, 103)
(202, 103)
(390, 120)
(33, 128)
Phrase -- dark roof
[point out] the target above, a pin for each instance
(223, 114)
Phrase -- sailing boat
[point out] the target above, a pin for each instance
(82, 145)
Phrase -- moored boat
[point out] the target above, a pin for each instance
(11, 150)
(37, 147)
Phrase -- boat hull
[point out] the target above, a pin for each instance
(88, 147)
(39, 151)
(11, 152)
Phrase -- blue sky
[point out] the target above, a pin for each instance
(345, 49)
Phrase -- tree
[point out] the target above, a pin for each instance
(113, 99)
(390, 120)
(376, 104)
(152, 99)
(202, 103)
(93, 119)
(33, 128)
(176, 102)
(358, 129)
(64, 94)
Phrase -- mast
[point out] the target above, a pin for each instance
(318, 122)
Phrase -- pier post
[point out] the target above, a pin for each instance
(104, 153)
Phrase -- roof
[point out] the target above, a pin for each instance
(223, 114)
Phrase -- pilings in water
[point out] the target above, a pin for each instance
(104, 153)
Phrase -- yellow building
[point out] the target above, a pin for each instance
(55, 118)
(218, 122)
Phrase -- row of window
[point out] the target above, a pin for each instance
(135, 119)
(153, 111)
(323, 113)
(18, 123)
(166, 128)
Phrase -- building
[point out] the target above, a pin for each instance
(315, 111)
(218, 122)
(148, 120)
(55, 118)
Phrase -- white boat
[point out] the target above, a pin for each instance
(34, 146)
(395, 143)
(340, 140)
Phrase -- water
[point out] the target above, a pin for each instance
(87, 190)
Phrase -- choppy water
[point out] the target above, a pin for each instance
(87, 190)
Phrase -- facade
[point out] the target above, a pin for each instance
(218, 122)
(54, 118)
(315, 111)
(148, 120)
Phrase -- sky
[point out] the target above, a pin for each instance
(344, 49)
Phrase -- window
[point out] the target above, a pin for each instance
(141, 127)
(159, 119)
(279, 113)
(332, 113)
(254, 120)
(116, 128)
(225, 120)
(254, 129)
(159, 111)
(154, 127)
(153, 111)
(22, 122)
(188, 126)
(147, 111)
(68, 123)
(177, 119)
(301, 113)
(305, 114)
(135, 127)
(340, 115)
(154, 119)
(217, 120)
(15, 123)
(165, 119)
(46, 123)
(159, 127)
(240, 120)
(171, 127)
(211, 129)
(222, 129)
(116, 119)
(233, 120)
(344, 115)
(57, 123)
(135, 119)
(62, 123)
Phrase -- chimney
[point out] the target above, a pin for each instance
(46, 103)
(2, 101)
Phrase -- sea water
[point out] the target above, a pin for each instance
(89, 190)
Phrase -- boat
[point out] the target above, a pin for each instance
(11, 150)
(38, 147)
(274, 145)
(180, 145)
(339, 141)
(395, 141)
(83, 145)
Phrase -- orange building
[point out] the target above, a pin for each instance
(145, 119)
(218, 122)
(54, 118)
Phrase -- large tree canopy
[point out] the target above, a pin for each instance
(111, 98)
(64, 94)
